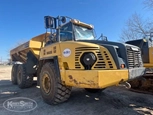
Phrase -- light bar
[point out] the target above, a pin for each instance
(81, 23)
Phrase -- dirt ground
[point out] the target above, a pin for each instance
(112, 101)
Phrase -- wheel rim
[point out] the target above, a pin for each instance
(46, 83)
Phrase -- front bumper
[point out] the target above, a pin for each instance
(99, 78)
(136, 72)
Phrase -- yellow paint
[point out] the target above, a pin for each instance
(103, 50)
(60, 47)
(70, 75)
(151, 55)
(49, 51)
(94, 78)
(41, 37)
(33, 45)
(112, 77)
(148, 65)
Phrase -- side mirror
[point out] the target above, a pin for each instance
(49, 22)
(63, 19)
(104, 38)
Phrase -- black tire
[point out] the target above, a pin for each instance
(23, 80)
(14, 74)
(90, 90)
(52, 90)
(136, 83)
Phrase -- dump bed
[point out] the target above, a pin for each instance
(34, 45)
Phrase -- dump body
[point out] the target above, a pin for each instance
(34, 45)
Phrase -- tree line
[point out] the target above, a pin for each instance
(136, 27)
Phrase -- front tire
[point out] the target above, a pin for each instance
(23, 80)
(136, 83)
(52, 90)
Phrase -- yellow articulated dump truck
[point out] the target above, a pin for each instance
(70, 56)
(146, 46)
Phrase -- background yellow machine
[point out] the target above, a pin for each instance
(146, 46)
(71, 56)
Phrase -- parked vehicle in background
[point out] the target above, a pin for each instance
(146, 46)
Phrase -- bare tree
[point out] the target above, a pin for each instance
(148, 4)
(135, 28)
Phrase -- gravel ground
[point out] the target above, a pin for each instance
(112, 101)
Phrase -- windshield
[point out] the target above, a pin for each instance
(83, 33)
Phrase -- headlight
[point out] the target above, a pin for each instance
(88, 59)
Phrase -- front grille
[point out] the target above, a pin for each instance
(79, 51)
(100, 61)
(134, 57)
(103, 59)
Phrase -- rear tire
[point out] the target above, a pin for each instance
(14, 74)
(23, 80)
(91, 90)
(52, 90)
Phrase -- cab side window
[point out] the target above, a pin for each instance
(66, 32)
